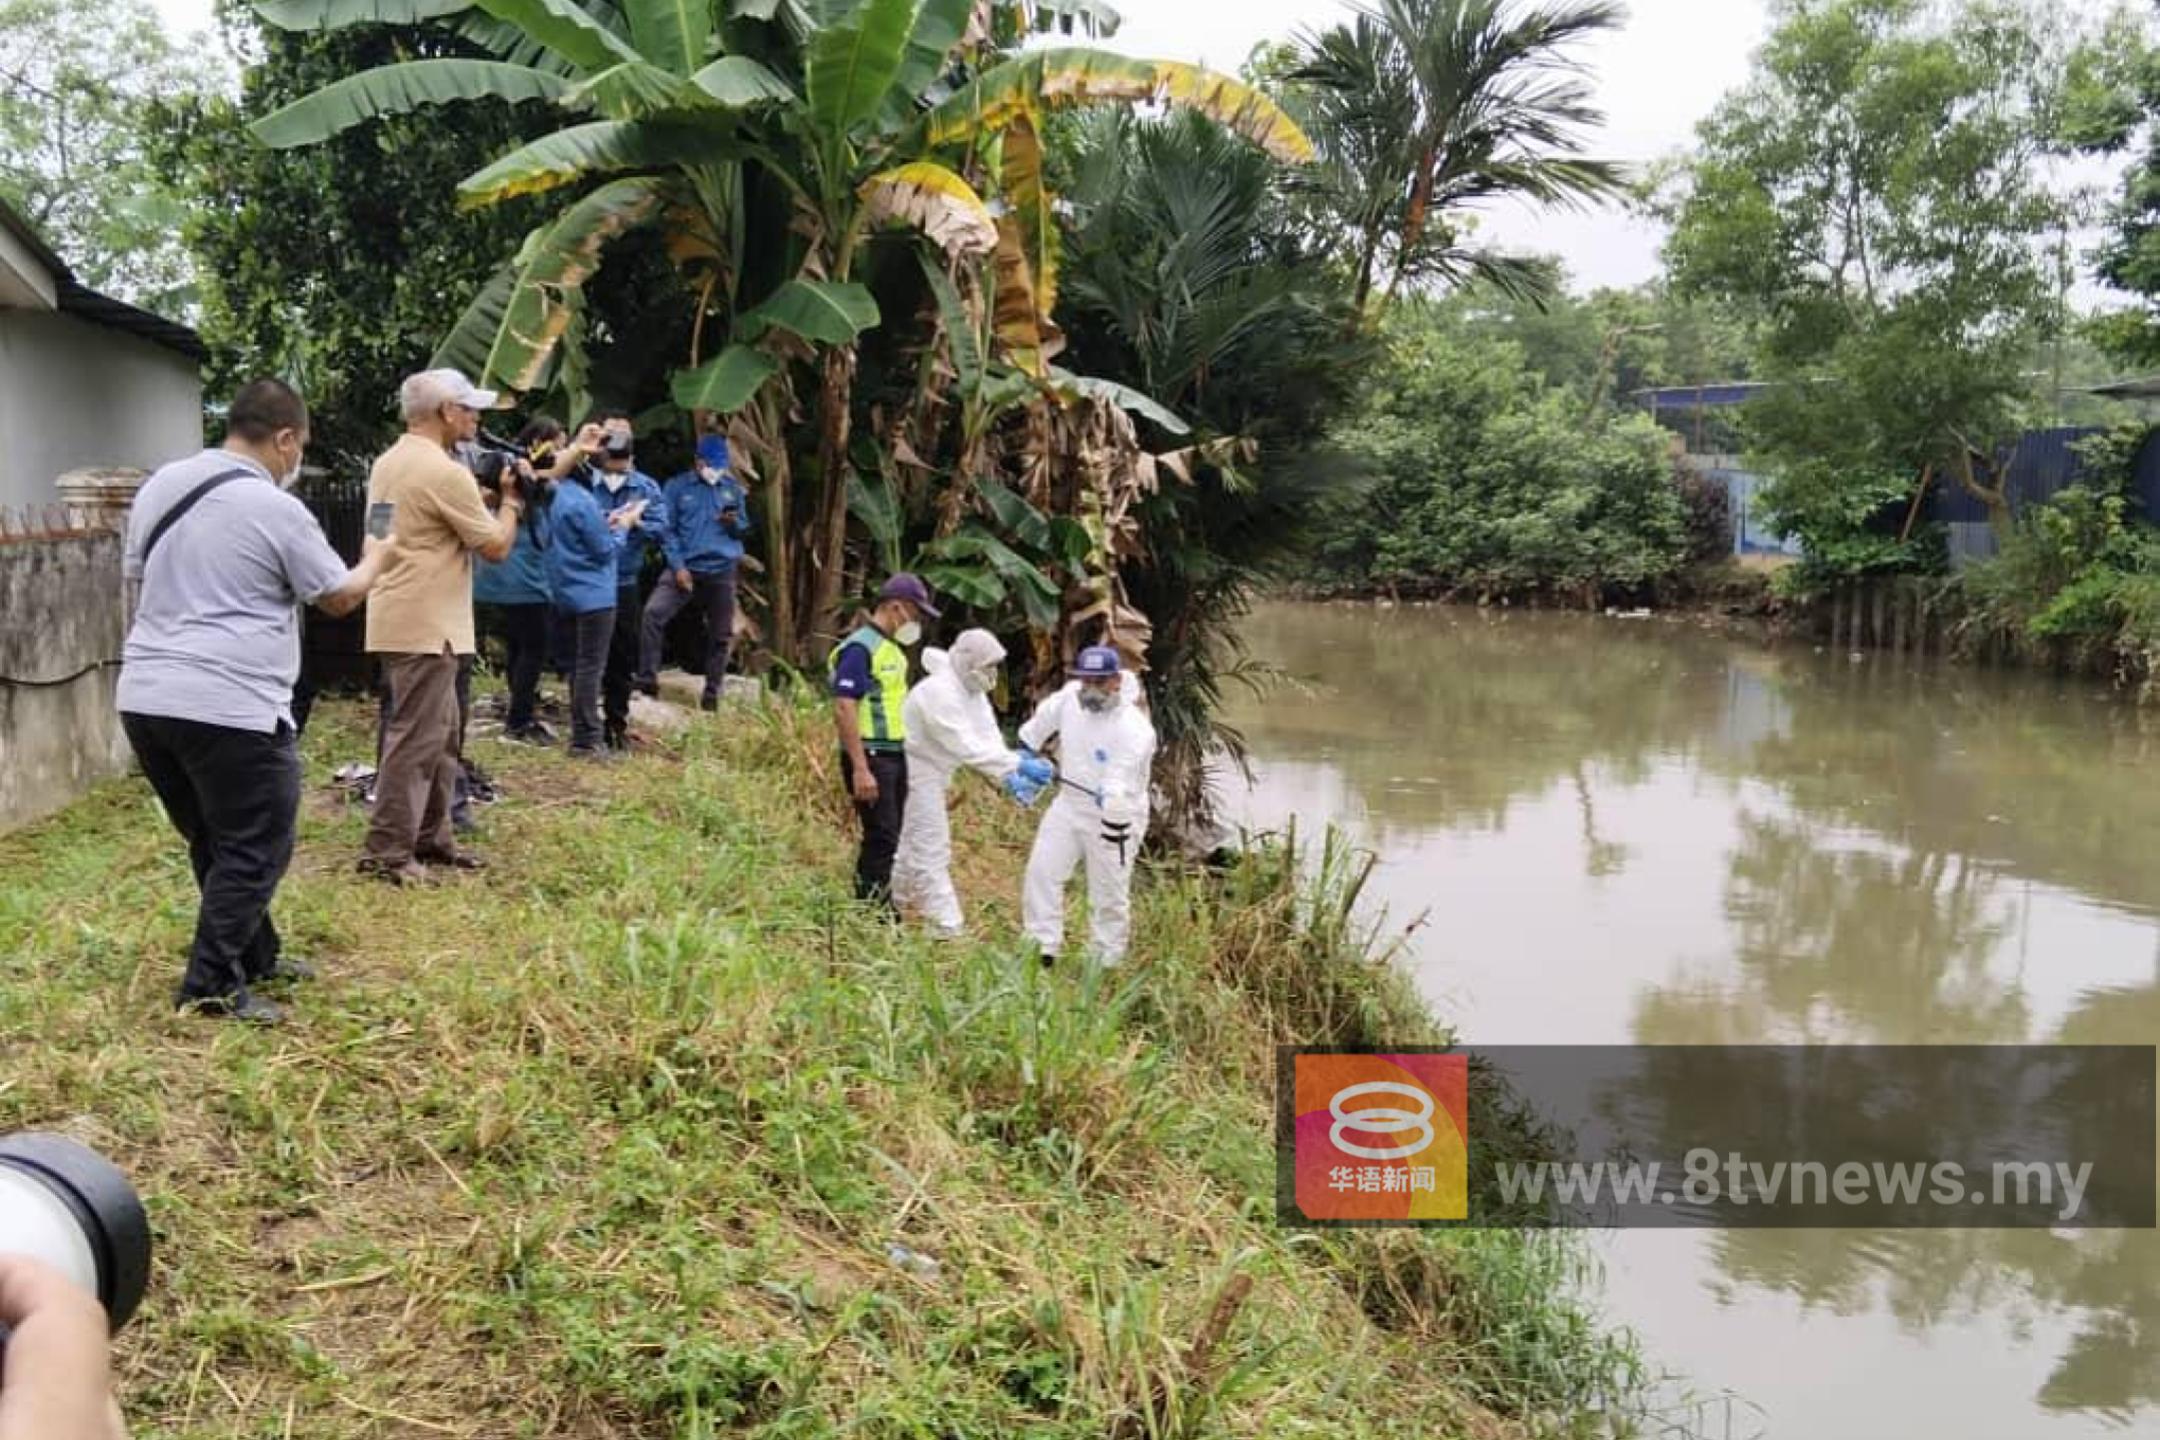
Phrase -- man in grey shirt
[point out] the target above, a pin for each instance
(225, 558)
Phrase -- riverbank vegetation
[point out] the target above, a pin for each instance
(647, 1131)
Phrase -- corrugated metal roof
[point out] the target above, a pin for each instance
(1722, 395)
(80, 300)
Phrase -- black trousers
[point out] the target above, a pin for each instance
(880, 822)
(524, 629)
(714, 596)
(622, 659)
(590, 634)
(234, 796)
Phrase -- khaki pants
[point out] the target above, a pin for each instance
(417, 780)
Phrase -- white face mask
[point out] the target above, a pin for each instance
(710, 476)
(909, 633)
(1097, 702)
(615, 480)
(979, 681)
(291, 477)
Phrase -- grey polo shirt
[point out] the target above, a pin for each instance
(217, 625)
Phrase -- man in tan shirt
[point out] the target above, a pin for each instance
(420, 619)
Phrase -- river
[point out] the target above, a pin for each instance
(1604, 831)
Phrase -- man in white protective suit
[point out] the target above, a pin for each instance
(950, 727)
(1106, 751)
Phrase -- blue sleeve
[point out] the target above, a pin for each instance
(671, 511)
(653, 524)
(851, 677)
(590, 535)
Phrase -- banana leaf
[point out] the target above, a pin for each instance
(825, 312)
(565, 29)
(727, 382)
(739, 82)
(530, 318)
(672, 34)
(937, 202)
(396, 90)
(337, 14)
(1063, 78)
(569, 155)
(852, 64)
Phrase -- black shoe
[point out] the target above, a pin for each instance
(243, 1005)
(289, 971)
(617, 738)
(596, 753)
(650, 689)
(709, 704)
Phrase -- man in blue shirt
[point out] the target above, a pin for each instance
(708, 518)
(617, 485)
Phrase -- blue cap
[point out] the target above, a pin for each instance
(1097, 662)
(910, 588)
(713, 452)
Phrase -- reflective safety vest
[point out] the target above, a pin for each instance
(879, 711)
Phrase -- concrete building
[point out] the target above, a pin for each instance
(86, 382)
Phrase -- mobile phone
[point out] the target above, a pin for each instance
(379, 516)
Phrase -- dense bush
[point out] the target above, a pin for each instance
(1479, 477)
(2077, 584)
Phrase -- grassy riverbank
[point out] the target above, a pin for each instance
(615, 1139)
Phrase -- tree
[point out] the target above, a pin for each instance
(1424, 110)
(1876, 196)
(1188, 282)
(2111, 103)
(340, 269)
(769, 150)
(77, 80)
(1482, 478)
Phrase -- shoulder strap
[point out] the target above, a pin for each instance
(187, 502)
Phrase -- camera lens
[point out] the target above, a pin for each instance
(64, 1204)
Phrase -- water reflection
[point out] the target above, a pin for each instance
(1643, 831)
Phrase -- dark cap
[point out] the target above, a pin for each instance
(911, 589)
(1097, 662)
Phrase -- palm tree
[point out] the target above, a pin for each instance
(1189, 284)
(1426, 109)
(770, 149)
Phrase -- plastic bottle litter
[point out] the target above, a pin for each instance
(922, 1267)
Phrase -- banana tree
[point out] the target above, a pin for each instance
(770, 142)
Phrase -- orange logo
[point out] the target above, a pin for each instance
(1382, 1137)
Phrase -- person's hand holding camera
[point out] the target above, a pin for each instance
(57, 1384)
(628, 516)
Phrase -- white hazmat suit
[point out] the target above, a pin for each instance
(950, 727)
(1112, 755)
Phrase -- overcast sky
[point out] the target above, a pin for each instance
(1657, 77)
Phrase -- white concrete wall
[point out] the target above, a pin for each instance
(77, 396)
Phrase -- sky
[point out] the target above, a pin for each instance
(1657, 78)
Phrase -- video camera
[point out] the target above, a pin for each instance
(492, 458)
(65, 1204)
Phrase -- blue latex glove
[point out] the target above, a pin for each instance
(1024, 792)
(1038, 771)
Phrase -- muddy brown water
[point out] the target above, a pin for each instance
(1602, 831)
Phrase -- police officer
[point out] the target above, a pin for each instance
(870, 685)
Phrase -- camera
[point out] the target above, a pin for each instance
(617, 446)
(63, 1203)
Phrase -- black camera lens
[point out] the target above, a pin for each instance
(65, 1204)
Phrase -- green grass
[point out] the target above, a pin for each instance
(613, 1139)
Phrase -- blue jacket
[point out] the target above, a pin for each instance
(581, 552)
(697, 540)
(521, 578)
(651, 531)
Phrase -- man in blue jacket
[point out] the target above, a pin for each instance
(708, 518)
(582, 552)
(618, 484)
